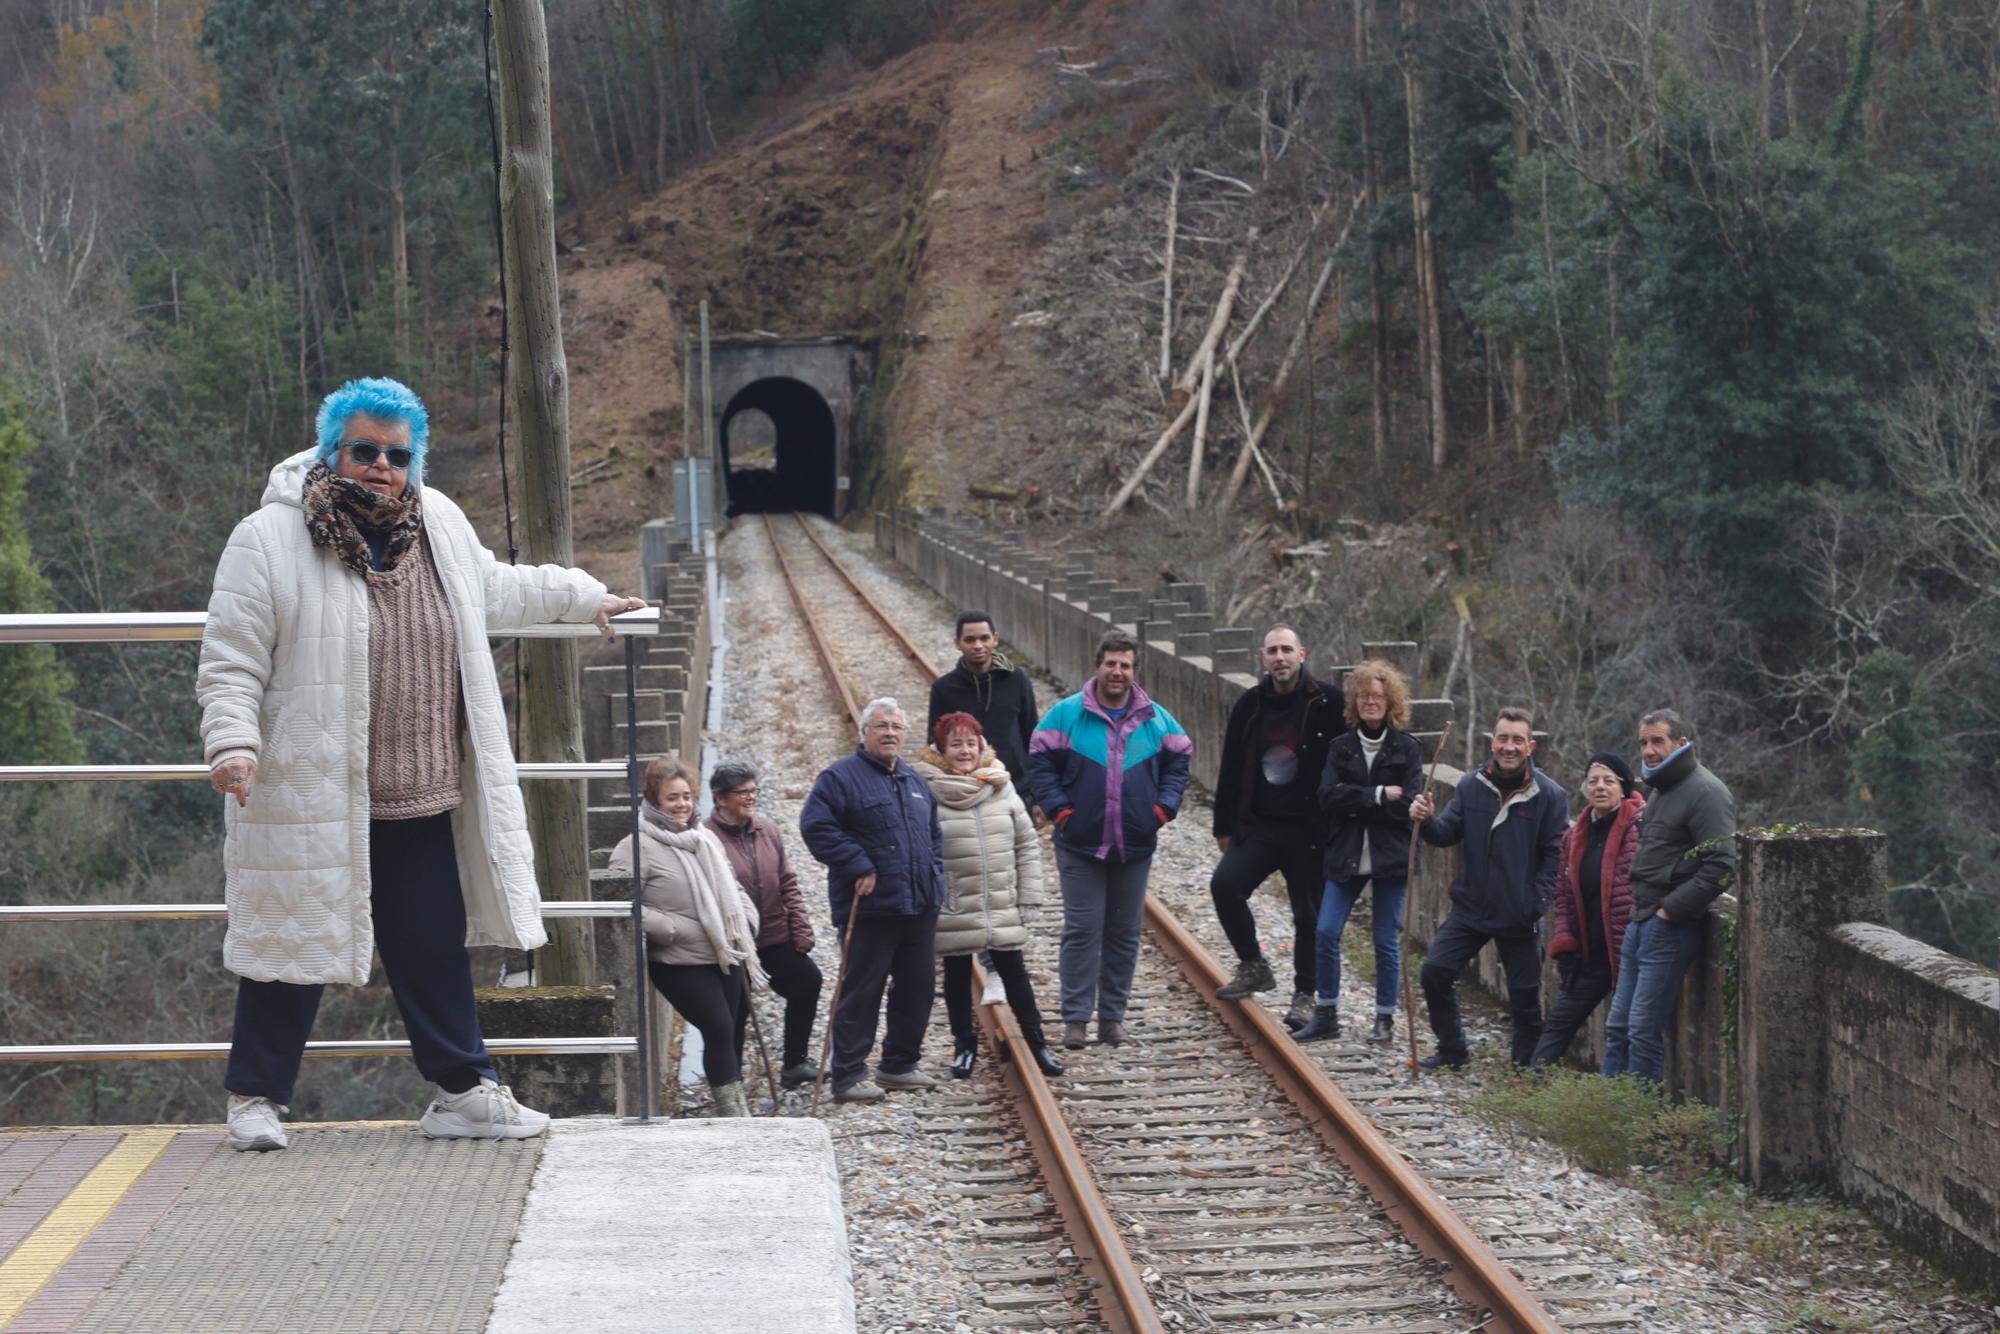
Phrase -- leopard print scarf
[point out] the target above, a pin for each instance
(337, 509)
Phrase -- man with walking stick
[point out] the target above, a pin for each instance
(1511, 818)
(874, 824)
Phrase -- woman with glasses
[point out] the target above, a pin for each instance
(1593, 900)
(756, 850)
(993, 883)
(351, 717)
(1372, 772)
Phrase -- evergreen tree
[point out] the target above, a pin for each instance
(35, 719)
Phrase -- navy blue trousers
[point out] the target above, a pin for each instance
(420, 932)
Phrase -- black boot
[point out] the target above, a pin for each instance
(1324, 1024)
(1046, 1062)
(1525, 1008)
(1385, 1029)
(961, 1064)
(1251, 975)
(1445, 1060)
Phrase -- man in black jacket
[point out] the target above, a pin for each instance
(1511, 818)
(1267, 813)
(985, 685)
(1686, 857)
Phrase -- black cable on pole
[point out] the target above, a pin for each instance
(500, 252)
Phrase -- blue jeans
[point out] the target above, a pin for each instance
(1334, 908)
(1656, 956)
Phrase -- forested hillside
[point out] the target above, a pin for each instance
(1624, 352)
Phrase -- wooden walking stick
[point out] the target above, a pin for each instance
(840, 980)
(1409, 999)
(750, 1004)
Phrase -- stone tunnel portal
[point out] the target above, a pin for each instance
(799, 468)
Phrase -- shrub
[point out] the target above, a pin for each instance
(1610, 1125)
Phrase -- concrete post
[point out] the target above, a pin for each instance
(1794, 889)
(1234, 649)
(1195, 595)
(1403, 655)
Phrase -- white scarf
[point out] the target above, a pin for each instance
(718, 903)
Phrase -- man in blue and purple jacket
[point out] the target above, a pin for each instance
(1109, 766)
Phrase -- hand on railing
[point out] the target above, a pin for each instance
(232, 778)
(614, 604)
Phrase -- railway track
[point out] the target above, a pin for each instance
(1210, 1174)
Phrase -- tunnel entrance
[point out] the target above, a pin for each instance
(780, 449)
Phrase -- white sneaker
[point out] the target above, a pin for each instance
(254, 1125)
(996, 990)
(486, 1112)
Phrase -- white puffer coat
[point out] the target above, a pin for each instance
(992, 857)
(284, 681)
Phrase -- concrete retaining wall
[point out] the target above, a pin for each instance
(1913, 1092)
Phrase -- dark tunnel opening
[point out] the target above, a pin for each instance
(787, 461)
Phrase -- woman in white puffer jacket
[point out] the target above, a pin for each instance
(993, 882)
(351, 710)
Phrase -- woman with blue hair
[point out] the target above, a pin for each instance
(346, 677)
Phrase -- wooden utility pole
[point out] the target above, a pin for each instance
(538, 393)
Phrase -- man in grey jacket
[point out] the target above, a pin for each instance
(1686, 856)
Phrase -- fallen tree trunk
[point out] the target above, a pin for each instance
(1167, 436)
(1167, 296)
(1200, 430)
(1227, 302)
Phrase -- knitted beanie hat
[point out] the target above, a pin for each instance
(1617, 765)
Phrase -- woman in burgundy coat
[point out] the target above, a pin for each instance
(1593, 900)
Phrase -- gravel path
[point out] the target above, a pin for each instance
(912, 1239)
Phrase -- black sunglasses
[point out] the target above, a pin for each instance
(365, 452)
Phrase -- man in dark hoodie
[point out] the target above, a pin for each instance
(1511, 818)
(1267, 818)
(1686, 857)
(985, 685)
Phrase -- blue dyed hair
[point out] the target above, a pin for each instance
(383, 399)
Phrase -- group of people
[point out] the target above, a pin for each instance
(1339, 811)
(351, 714)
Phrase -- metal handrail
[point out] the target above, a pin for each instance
(137, 627)
(188, 626)
(216, 1051)
(219, 912)
(180, 773)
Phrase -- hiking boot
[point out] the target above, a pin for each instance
(730, 1100)
(961, 1064)
(254, 1125)
(1251, 975)
(904, 1079)
(996, 990)
(1384, 1030)
(1324, 1024)
(1046, 1062)
(861, 1091)
(1445, 1061)
(1076, 1036)
(485, 1111)
(1110, 1032)
(1301, 1013)
(798, 1075)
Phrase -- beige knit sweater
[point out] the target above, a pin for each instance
(413, 697)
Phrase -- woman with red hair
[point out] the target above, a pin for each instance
(993, 882)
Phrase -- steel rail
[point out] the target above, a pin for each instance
(1472, 1270)
(218, 912)
(822, 642)
(1124, 1302)
(216, 1051)
(143, 627)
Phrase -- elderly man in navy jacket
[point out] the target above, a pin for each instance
(1511, 818)
(874, 823)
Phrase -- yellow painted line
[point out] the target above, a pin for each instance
(46, 1249)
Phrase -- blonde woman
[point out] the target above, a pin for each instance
(1373, 770)
(701, 928)
(993, 878)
